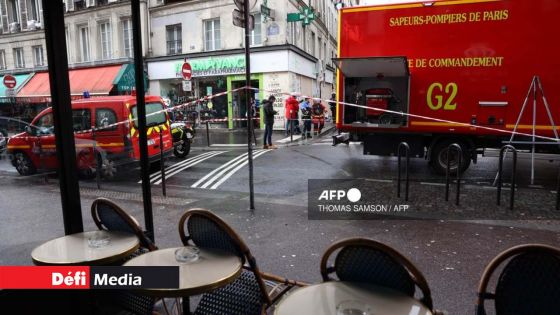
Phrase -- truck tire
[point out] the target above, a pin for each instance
(23, 164)
(438, 157)
(182, 150)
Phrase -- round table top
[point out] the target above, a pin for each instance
(74, 249)
(323, 298)
(213, 269)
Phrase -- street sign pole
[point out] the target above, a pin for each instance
(248, 102)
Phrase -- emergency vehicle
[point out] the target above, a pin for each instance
(449, 72)
(105, 128)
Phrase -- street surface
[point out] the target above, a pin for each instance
(451, 253)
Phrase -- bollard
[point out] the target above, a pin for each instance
(407, 152)
(459, 161)
(291, 128)
(513, 170)
(98, 165)
(207, 133)
(162, 164)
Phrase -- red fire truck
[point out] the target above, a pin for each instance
(449, 72)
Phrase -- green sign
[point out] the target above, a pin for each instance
(126, 80)
(306, 15)
(214, 66)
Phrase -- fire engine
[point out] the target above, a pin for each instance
(479, 73)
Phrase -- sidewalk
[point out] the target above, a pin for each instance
(238, 137)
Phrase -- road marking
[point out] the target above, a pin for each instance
(182, 168)
(288, 139)
(179, 164)
(432, 184)
(379, 180)
(222, 169)
(228, 175)
(157, 174)
(228, 145)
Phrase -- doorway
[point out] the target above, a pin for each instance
(239, 104)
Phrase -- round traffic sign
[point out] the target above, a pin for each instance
(186, 71)
(10, 81)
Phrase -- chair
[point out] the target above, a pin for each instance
(109, 216)
(367, 261)
(248, 294)
(528, 284)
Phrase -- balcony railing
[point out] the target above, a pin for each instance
(174, 47)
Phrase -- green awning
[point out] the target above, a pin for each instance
(21, 80)
(125, 82)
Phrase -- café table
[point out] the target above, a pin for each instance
(75, 249)
(213, 269)
(338, 297)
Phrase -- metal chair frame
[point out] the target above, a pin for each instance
(482, 292)
(415, 275)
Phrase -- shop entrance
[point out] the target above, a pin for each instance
(239, 104)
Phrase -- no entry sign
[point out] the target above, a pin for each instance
(10, 81)
(186, 71)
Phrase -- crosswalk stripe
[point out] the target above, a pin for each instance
(233, 171)
(157, 174)
(226, 169)
(178, 164)
(288, 139)
(220, 169)
(234, 160)
(184, 167)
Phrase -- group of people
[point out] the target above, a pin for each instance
(312, 112)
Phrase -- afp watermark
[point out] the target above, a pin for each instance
(348, 200)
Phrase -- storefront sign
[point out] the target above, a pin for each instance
(212, 66)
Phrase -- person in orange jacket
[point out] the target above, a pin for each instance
(292, 108)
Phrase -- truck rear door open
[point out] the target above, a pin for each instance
(381, 85)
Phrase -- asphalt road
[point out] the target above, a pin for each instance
(451, 252)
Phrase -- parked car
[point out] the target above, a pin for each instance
(105, 130)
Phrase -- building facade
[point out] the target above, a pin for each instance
(285, 56)
(99, 47)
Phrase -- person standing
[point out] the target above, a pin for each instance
(269, 113)
(292, 107)
(318, 116)
(305, 109)
(332, 105)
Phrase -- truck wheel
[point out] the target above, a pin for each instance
(183, 149)
(438, 158)
(23, 164)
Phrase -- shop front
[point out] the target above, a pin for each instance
(210, 76)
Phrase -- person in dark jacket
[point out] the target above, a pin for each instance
(269, 113)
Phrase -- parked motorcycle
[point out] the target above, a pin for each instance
(183, 134)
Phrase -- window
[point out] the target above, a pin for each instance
(33, 10)
(45, 125)
(13, 11)
(81, 119)
(19, 62)
(174, 39)
(152, 119)
(212, 35)
(83, 33)
(2, 59)
(67, 42)
(106, 40)
(38, 55)
(256, 33)
(105, 117)
(127, 37)
(79, 4)
(312, 44)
